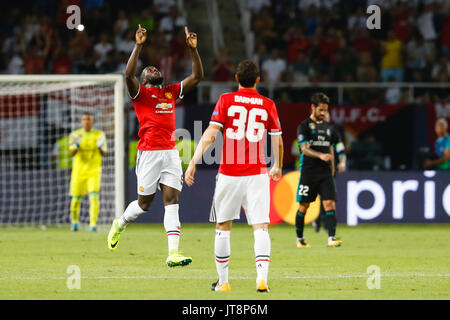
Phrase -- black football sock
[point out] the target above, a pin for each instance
(299, 224)
(330, 223)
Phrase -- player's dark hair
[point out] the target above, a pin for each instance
(247, 71)
(318, 98)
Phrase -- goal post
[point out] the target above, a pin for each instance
(37, 114)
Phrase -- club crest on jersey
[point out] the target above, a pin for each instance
(168, 95)
(312, 125)
(164, 108)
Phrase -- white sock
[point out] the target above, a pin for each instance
(172, 226)
(262, 253)
(131, 213)
(222, 250)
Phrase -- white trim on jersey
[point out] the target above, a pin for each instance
(275, 133)
(139, 91)
(216, 123)
(181, 95)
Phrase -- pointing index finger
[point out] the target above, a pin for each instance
(186, 31)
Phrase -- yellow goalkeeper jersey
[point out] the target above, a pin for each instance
(88, 160)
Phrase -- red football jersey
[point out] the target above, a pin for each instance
(245, 116)
(155, 110)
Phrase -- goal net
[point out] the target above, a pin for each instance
(37, 114)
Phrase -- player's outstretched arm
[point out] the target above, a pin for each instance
(278, 152)
(197, 68)
(130, 72)
(207, 139)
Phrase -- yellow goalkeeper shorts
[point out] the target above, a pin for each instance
(80, 185)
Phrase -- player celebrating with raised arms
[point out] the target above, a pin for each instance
(158, 163)
(244, 116)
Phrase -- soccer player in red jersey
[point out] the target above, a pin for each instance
(244, 117)
(158, 163)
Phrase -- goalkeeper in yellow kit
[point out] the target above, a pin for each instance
(87, 146)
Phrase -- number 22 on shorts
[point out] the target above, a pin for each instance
(303, 190)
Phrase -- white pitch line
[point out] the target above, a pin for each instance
(306, 277)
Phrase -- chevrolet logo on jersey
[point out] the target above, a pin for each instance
(164, 108)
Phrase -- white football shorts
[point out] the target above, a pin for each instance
(250, 192)
(156, 167)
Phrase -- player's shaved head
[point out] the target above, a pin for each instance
(247, 73)
(151, 75)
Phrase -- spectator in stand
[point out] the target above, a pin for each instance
(62, 63)
(183, 65)
(363, 42)
(80, 43)
(274, 68)
(166, 64)
(296, 42)
(103, 48)
(402, 19)
(145, 19)
(357, 20)
(178, 44)
(163, 6)
(256, 5)
(329, 43)
(419, 54)
(393, 93)
(425, 22)
(306, 4)
(35, 59)
(16, 64)
(311, 18)
(93, 4)
(126, 44)
(261, 54)
(263, 27)
(365, 71)
(392, 61)
(169, 23)
(343, 65)
(300, 70)
(222, 72)
(441, 70)
(445, 40)
(109, 65)
(122, 23)
(285, 15)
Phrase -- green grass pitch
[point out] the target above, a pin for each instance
(414, 261)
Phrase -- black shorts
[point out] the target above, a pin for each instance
(310, 185)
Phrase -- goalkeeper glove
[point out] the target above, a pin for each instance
(75, 144)
(101, 143)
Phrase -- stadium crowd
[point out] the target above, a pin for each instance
(328, 41)
(33, 41)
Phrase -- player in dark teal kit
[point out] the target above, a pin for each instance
(339, 162)
(316, 142)
(442, 147)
